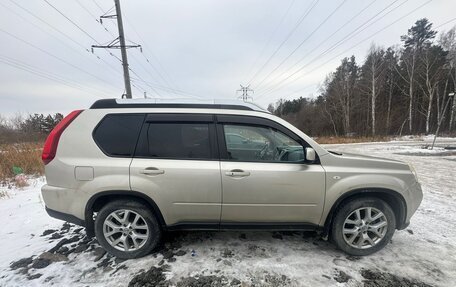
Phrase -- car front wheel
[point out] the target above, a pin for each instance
(127, 229)
(363, 226)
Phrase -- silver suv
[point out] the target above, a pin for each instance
(128, 170)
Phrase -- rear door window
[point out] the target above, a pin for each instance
(177, 140)
(117, 134)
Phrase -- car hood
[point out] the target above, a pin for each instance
(365, 161)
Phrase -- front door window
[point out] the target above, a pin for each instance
(261, 144)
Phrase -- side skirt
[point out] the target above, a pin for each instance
(263, 226)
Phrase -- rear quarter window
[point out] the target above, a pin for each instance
(116, 134)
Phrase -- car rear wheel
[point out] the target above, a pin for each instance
(363, 226)
(127, 229)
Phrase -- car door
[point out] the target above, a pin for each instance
(268, 180)
(176, 164)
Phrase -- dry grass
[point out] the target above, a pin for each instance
(27, 156)
(344, 140)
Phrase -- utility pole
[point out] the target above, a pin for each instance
(123, 50)
(119, 43)
(245, 93)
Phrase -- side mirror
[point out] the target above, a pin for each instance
(310, 154)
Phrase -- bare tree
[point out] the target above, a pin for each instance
(417, 36)
(390, 81)
(372, 70)
(432, 60)
(448, 42)
(344, 81)
(401, 89)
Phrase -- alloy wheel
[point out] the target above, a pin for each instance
(364, 227)
(125, 230)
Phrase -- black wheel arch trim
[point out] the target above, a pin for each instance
(89, 222)
(365, 192)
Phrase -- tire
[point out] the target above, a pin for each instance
(120, 235)
(350, 228)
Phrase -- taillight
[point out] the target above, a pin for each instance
(50, 146)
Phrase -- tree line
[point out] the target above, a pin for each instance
(33, 127)
(402, 89)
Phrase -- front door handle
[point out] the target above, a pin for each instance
(237, 173)
(152, 171)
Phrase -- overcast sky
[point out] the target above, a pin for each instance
(198, 48)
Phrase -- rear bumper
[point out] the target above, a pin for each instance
(65, 217)
(63, 203)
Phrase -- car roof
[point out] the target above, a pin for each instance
(226, 104)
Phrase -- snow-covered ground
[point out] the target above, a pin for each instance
(424, 253)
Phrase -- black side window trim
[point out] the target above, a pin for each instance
(180, 118)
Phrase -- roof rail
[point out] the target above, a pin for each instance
(177, 103)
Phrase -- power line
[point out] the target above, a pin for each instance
(347, 37)
(295, 92)
(80, 28)
(447, 22)
(41, 73)
(137, 86)
(334, 33)
(113, 45)
(41, 29)
(49, 25)
(138, 61)
(55, 29)
(88, 11)
(142, 80)
(120, 40)
(120, 43)
(168, 89)
(71, 21)
(338, 55)
(165, 81)
(98, 5)
(64, 34)
(302, 42)
(344, 39)
(271, 37)
(147, 48)
(95, 18)
(306, 12)
(52, 55)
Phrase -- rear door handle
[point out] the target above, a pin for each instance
(237, 173)
(152, 171)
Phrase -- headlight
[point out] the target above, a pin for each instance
(413, 170)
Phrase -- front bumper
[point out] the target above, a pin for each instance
(414, 198)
